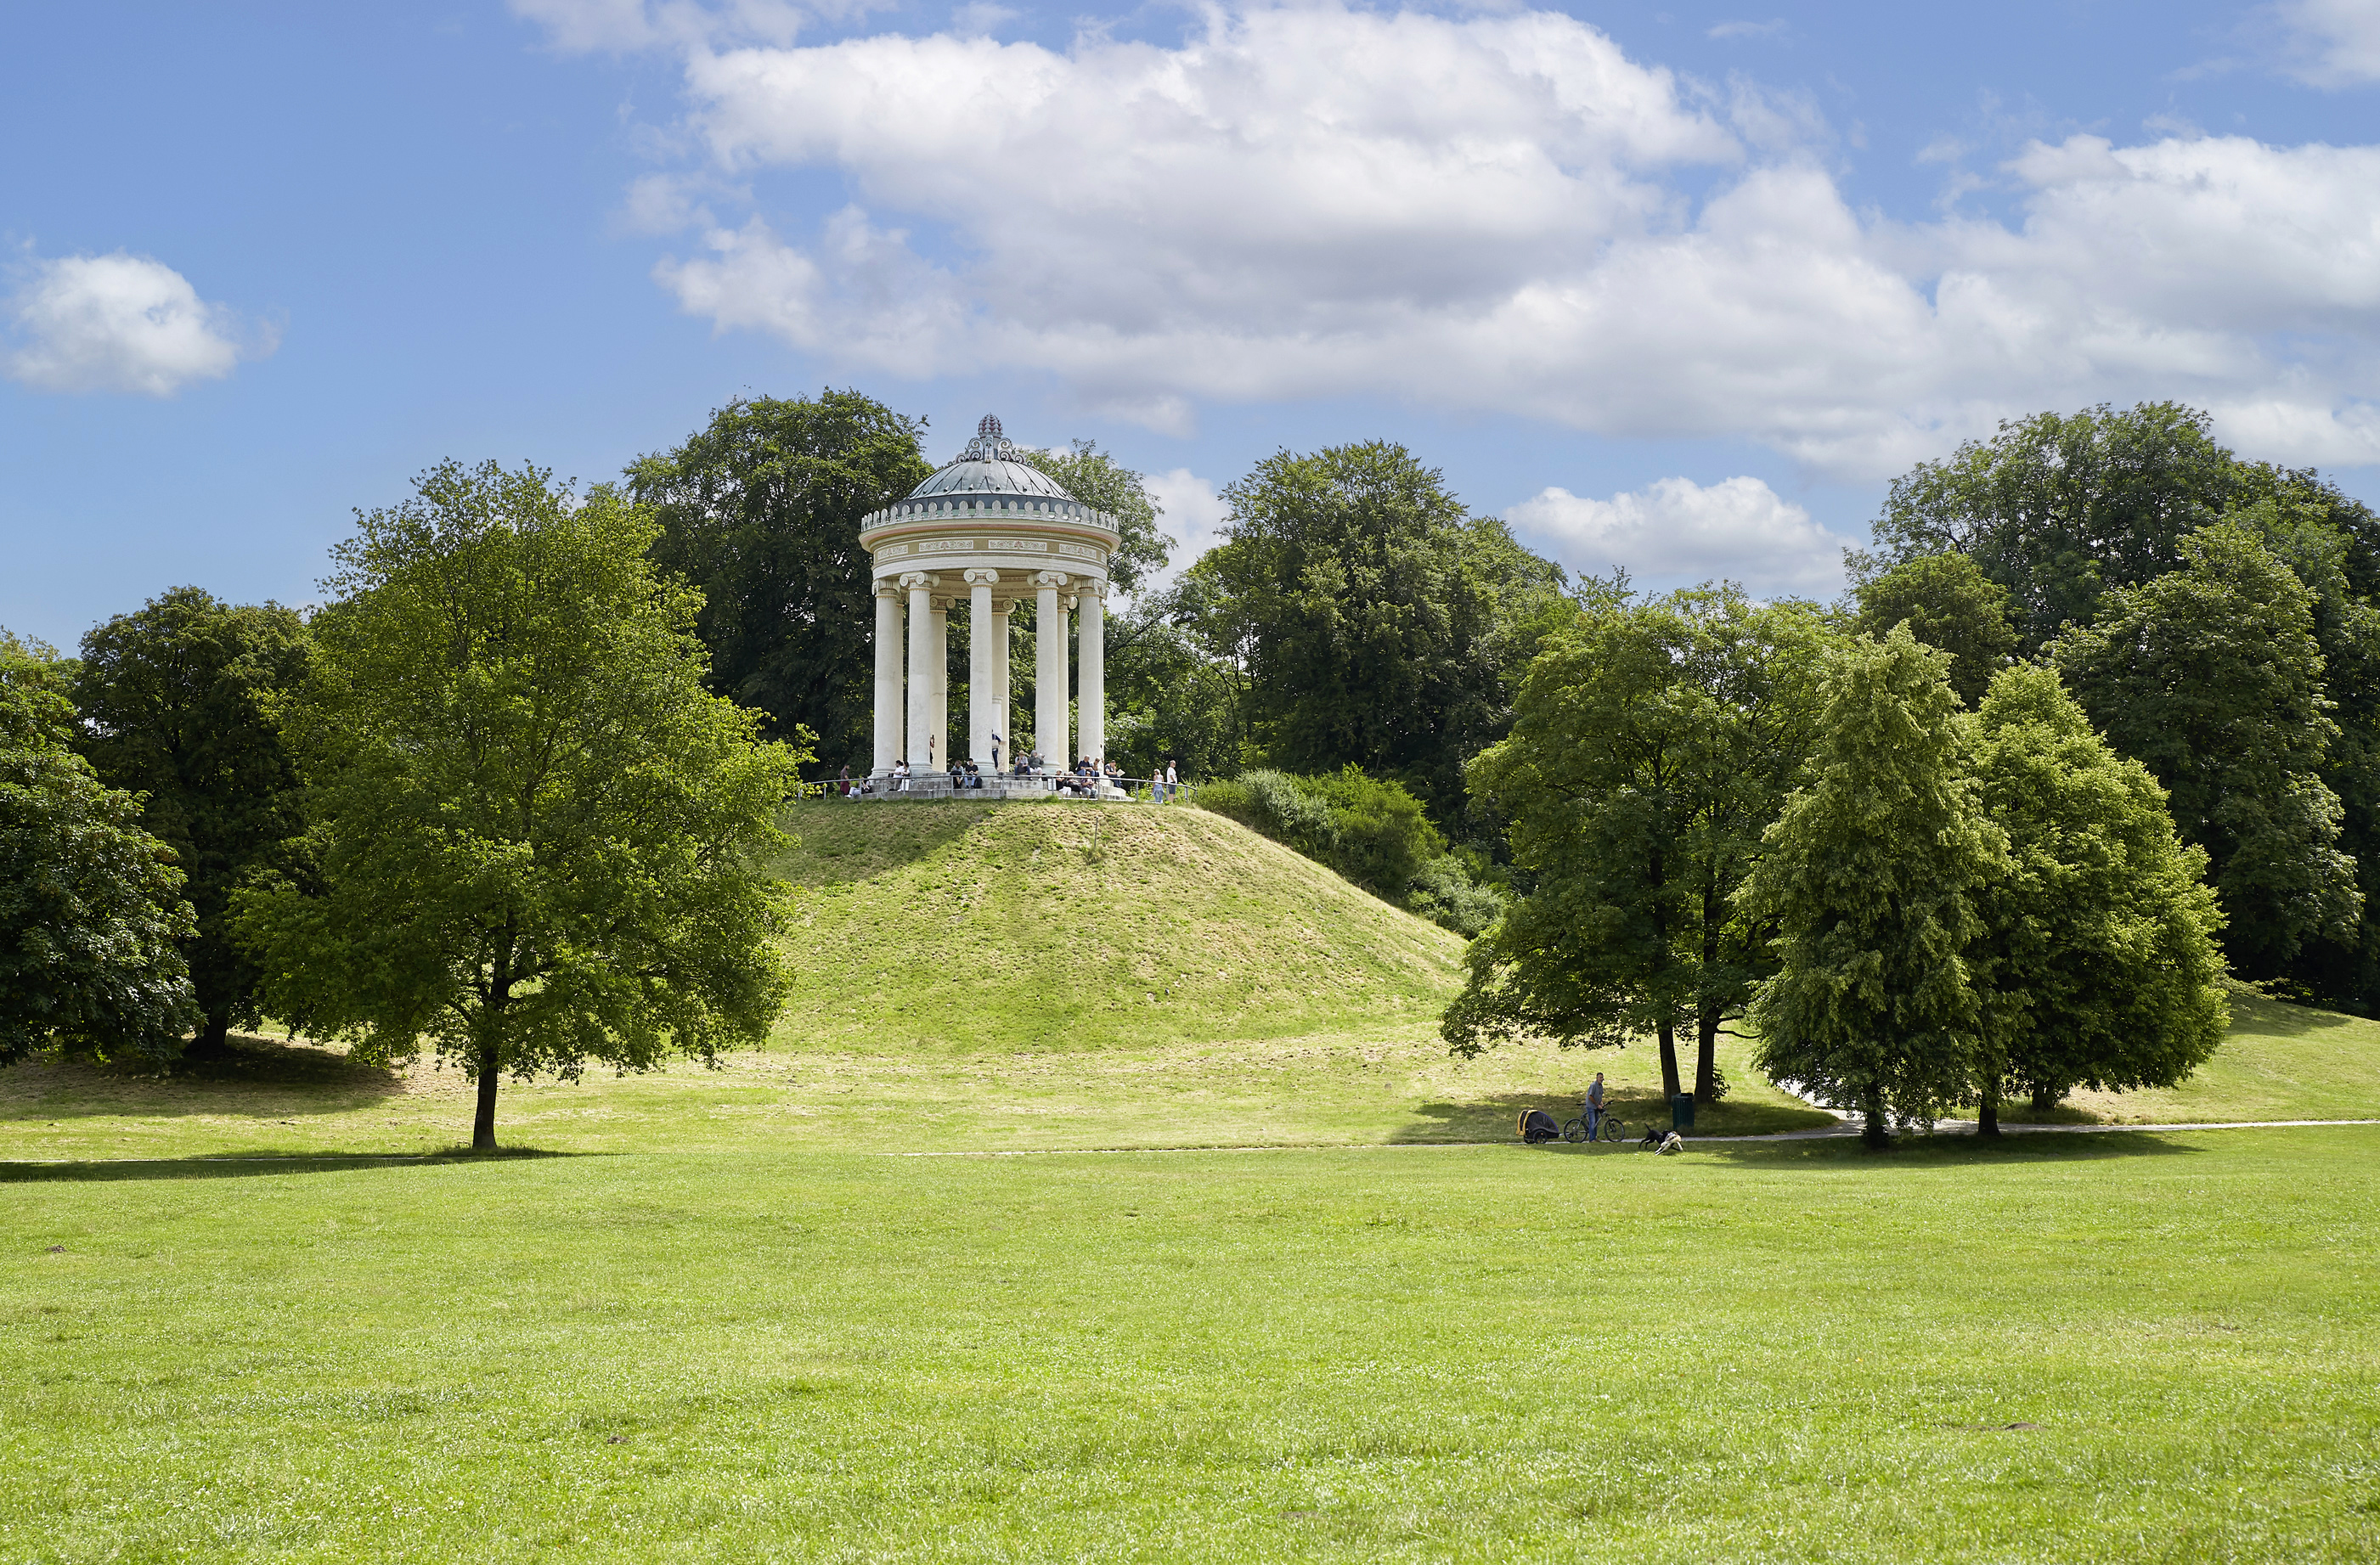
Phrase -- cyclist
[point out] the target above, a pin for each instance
(1593, 1106)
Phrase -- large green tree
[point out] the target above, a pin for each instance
(760, 509)
(2057, 508)
(1374, 622)
(1949, 604)
(1651, 746)
(2063, 509)
(539, 841)
(2098, 957)
(2212, 675)
(91, 916)
(179, 705)
(1872, 875)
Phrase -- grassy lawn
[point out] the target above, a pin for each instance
(1392, 1084)
(2131, 1346)
(794, 1308)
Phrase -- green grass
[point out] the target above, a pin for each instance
(2281, 1063)
(790, 1309)
(1782, 1353)
(1080, 926)
(1389, 1086)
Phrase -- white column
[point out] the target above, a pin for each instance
(1091, 670)
(1049, 728)
(941, 748)
(983, 680)
(1003, 706)
(888, 677)
(920, 587)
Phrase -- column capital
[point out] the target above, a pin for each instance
(912, 580)
(1086, 588)
(1052, 578)
(980, 577)
(887, 588)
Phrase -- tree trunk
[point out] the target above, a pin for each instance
(1877, 1133)
(1987, 1118)
(1707, 1057)
(484, 1120)
(1669, 1087)
(2045, 1099)
(212, 1044)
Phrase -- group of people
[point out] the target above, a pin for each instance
(1087, 778)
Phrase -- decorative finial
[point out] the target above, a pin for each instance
(989, 445)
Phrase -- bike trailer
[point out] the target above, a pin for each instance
(1538, 1125)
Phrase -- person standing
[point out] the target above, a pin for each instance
(1172, 783)
(1593, 1107)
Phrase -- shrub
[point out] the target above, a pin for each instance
(1369, 830)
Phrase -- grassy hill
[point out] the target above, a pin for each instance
(1065, 925)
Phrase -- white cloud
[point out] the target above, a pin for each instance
(1192, 514)
(1675, 529)
(119, 322)
(1488, 212)
(2334, 43)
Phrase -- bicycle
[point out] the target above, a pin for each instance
(1610, 1129)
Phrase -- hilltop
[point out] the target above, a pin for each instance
(1064, 924)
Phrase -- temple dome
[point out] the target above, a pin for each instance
(990, 466)
(988, 481)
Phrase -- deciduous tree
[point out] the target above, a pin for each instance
(177, 702)
(2098, 961)
(761, 510)
(1949, 604)
(1651, 745)
(2211, 674)
(1376, 624)
(91, 916)
(1872, 875)
(541, 841)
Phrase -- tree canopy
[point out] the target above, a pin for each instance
(1652, 745)
(2211, 676)
(539, 841)
(91, 916)
(178, 703)
(2064, 510)
(1949, 604)
(1376, 622)
(2097, 953)
(761, 510)
(1872, 875)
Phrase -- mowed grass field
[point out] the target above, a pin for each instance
(2131, 1346)
(876, 1292)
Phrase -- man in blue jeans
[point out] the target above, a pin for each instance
(1593, 1107)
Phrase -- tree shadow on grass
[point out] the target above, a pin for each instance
(1497, 1117)
(1921, 1154)
(842, 841)
(262, 1077)
(2274, 1018)
(251, 1165)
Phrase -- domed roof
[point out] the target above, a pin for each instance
(990, 466)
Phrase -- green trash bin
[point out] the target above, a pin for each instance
(1682, 1112)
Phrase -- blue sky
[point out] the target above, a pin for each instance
(1678, 289)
